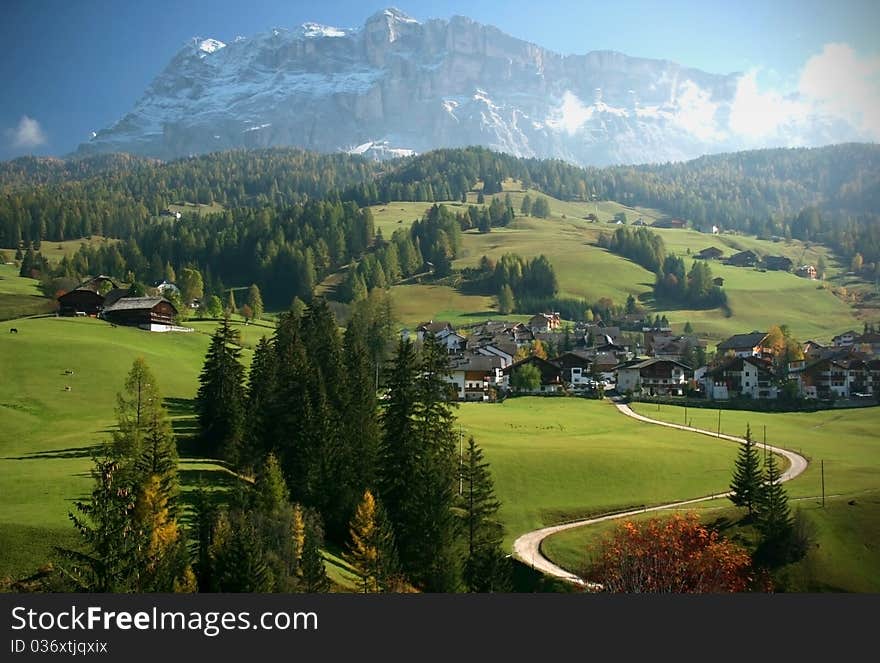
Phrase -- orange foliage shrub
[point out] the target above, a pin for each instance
(673, 555)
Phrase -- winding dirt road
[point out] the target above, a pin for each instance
(527, 548)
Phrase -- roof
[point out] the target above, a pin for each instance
(114, 296)
(433, 327)
(711, 250)
(639, 364)
(478, 363)
(736, 364)
(137, 304)
(749, 340)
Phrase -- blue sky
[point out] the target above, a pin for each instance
(74, 66)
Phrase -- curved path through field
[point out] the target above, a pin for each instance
(527, 548)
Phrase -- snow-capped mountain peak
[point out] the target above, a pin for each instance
(397, 85)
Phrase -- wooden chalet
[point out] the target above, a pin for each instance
(141, 312)
(743, 259)
(710, 253)
(80, 301)
(778, 263)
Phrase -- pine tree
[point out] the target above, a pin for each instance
(486, 568)
(399, 447)
(429, 556)
(138, 406)
(255, 301)
(505, 300)
(261, 404)
(747, 480)
(314, 574)
(237, 565)
(773, 519)
(274, 518)
(371, 547)
(111, 561)
(220, 398)
(360, 426)
(230, 303)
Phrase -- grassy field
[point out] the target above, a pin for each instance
(414, 304)
(847, 530)
(49, 433)
(757, 299)
(20, 296)
(558, 459)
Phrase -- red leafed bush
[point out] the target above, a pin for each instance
(673, 555)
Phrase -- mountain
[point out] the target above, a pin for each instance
(397, 86)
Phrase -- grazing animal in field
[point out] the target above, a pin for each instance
(13, 331)
(67, 388)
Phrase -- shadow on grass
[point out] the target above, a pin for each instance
(52, 454)
(180, 407)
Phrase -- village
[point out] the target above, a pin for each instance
(489, 360)
(638, 358)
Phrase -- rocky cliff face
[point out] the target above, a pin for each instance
(396, 85)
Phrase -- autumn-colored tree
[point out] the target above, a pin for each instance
(247, 312)
(539, 349)
(371, 548)
(674, 555)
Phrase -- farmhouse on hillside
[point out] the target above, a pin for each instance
(710, 253)
(89, 296)
(778, 263)
(151, 313)
(743, 259)
(807, 272)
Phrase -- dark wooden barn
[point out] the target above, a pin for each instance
(141, 311)
(80, 301)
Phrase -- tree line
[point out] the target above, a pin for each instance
(310, 400)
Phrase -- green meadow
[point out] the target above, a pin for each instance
(560, 459)
(846, 552)
(49, 432)
(757, 299)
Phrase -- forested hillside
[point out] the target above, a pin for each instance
(268, 226)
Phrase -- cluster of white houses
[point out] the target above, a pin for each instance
(482, 359)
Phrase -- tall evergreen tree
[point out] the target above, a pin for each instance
(314, 574)
(111, 560)
(747, 481)
(220, 398)
(138, 406)
(429, 554)
(399, 451)
(371, 548)
(779, 544)
(360, 425)
(255, 301)
(261, 403)
(486, 568)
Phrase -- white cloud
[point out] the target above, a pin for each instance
(696, 112)
(759, 115)
(28, 133)
(841, 83)
(571, 115)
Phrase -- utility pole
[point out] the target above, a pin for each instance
(822, 465)
(719, 423)
(685, 415)
(460, 461)
(765, 443)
